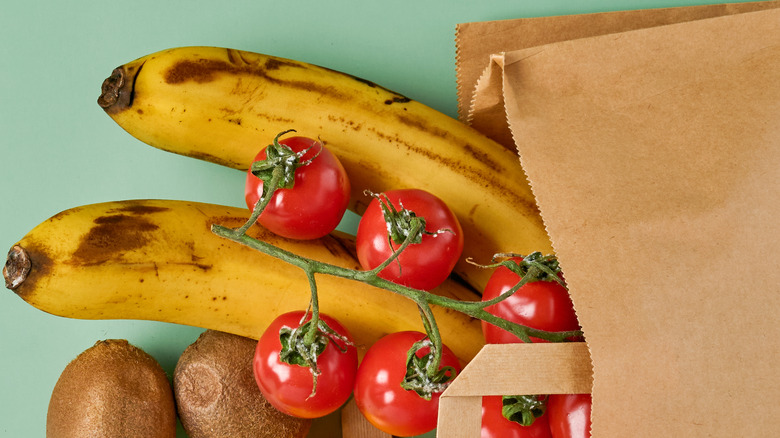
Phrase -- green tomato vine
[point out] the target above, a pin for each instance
(533, 267)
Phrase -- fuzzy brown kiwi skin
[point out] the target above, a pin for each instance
(112, 389)
(217, 396)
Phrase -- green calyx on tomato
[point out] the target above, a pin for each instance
(422, 265)
(296, 188)
(534, 267)
(302, 345)
(420, 376)
(523, 409)
(531, 292)
(290, 388)
(402, 225)
(280, 163)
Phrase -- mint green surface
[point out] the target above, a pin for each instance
(59, 150)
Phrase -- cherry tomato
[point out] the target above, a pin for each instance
(569, 415)
(378, 391)
(494, 425)
(543, 305)
(424, 265)
(315, 204)
(288, 387)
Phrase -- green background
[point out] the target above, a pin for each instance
(59, 150)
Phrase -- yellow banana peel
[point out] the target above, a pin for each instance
(159, 260)
(224, 105)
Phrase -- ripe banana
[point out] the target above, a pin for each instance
(223, 105)
(158, 260)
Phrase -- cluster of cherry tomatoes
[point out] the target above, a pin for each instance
(375, 382)
(543, 305)
(313, 209)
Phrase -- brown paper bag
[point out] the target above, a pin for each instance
(477, 41)
(654, 155)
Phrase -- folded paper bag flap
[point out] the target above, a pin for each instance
(653, 155)
(511, 369)
(477, 41)
(538, 368)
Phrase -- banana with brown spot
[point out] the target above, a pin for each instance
(158, 260)
(223, 105)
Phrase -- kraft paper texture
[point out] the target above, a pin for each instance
(477, 41)
(654, 155)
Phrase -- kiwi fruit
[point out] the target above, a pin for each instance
(217, 396)
(112, 389)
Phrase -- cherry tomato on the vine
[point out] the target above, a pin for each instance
(288, 387)
(494, 425)
(569, 415)
(316, 203)
(378, 391)
(543, 305)
(424, 265)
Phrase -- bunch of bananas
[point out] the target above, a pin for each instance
(158, 260)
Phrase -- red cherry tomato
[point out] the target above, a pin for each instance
(424, 265)
(543, 305)
(288, 387)
(316, 203)
(569, 415)
(494, 425)
(378, 391)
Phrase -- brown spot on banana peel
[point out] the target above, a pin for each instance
(110, 237)
(140, 209)
(118, 89)
(206, 70)
(201, 266)
(484, 177)
(338, 243)
(397, 100)
(277, 118)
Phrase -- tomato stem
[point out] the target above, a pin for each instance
(421, 375)
(314, 305)
(405, 228)
(475, 309)
(523, 409)
(432, 329)
(277, 171)
(276, 177)
(414, 233)
(533, 267)
(434, 378)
